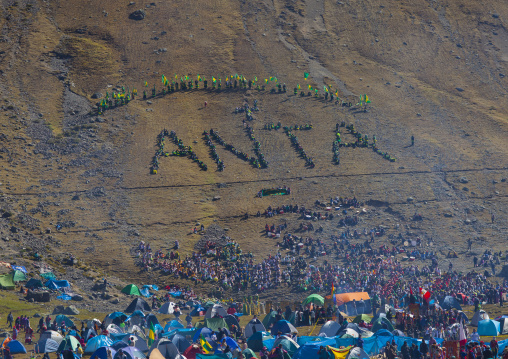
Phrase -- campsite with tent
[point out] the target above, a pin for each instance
(285, 179)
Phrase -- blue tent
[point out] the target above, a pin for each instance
(97, 342)
(173, 324)
(489, 327)
(63, 318)
(117, 336)
(181, 343)
(46, 346)
(229, 341)
(102, 353)
(207, 333)
(151, 318)
(284, 327)
(115, 318)
(16, 347)
(57, 284)
(450, 302)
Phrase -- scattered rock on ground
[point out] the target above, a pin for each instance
(138, 15)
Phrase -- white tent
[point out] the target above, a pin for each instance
(330, 328)
(350, 333)
(478, 317)
(357, 353)
(216, 309)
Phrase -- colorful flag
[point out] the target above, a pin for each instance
(310, 87)
(207, 348)
(298, 86)
(151, 334)
(306, 75)
(146, 83)
(367, 99)
(425, 294)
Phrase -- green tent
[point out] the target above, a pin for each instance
(269, 319)
(215, 323)
(209, 304)
(131, 289)
(361, 317)
(199, 325)
(48, 275)
(70, 342)
(314, 299)
(382, 323)
(6, 281)
(18, 276)
(248, 353)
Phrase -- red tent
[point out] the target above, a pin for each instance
(192, 351)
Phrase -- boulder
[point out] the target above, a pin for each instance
(97, 95)
(37, 315)
(137, 15)
(39, 296)
(71, 310)
(59, 309)
(77, 298)
(115, 301)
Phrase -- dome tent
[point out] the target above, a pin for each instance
(330, 328)
(479, 316)
(253, 326)
(131, 289)
(214, 310)
(489, 327)
(138, 304)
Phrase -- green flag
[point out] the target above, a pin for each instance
(306, 75)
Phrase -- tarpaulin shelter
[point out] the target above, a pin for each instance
(352, 303)
(57, 284)
(489, 327)
(131, 289)
(137, 304)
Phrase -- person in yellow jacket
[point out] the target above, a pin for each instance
(79, 351)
